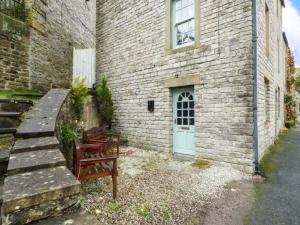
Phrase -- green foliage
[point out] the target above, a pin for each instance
(115, 206)
(144, 212)
(79, 93)
(290, 100)
(298, 81)
(105, 103)
(291, 123)
(68, 135)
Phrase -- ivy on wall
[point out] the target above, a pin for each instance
(290, 100)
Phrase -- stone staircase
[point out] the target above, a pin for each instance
(38, 183)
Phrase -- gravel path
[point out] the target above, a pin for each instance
(155, 188)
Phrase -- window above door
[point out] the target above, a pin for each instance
(183, 29)
(183, 24)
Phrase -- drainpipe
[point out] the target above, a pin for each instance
(255, 103)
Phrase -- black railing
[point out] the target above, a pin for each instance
(13, 8)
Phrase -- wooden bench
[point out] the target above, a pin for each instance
(91, 162)
(99, 135)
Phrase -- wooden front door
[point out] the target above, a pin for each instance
(183, 121)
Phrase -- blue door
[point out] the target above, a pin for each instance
(183, 121)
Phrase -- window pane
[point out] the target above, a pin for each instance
(185, 121)
(190, 11)
(191, 97)
(185, 113)
(178, 16)
(185, 105)
(192, 121)
(179, 121)
(179, 113)
(191, 105)
(178, 4)
(185, 3)
(192, 113)
(179, 105)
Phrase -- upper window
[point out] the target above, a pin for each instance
(183, 23)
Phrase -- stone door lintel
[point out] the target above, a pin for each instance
(182, 81)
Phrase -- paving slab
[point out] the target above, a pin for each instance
(41, 119)
(30, 189)
(35, 160)
(35, 144)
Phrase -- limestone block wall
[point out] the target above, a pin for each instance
(273, 69)
(14, 71)
(131, 51)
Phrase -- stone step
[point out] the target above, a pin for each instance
(41, 119)
(35, 144)
(4, 157)
(9, 122)
(38, 194)
(10, 105)
(35, 160)
(8, 130)
(10, 114)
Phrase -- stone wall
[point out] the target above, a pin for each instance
(55, 28)
(131, 51)
(61, 26)
(14, 71)
(273, 69)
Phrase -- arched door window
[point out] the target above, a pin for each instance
(185, 109)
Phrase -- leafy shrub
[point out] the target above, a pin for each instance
(290, 100)
(290, 123)
(79, 93)
(104, 102)
(68, 135)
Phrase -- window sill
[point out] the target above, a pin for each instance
(184, 49)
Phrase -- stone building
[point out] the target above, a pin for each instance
(187, 75)
(37, 38)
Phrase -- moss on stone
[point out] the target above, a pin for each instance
(201, 164)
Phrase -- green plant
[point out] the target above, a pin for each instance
(290, 100)
(115, 206)
(68, 135)
(79, 93)
(80, 202)
(144, 212)
(290, 123)
(104, 102)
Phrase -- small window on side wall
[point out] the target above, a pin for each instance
(183, 26)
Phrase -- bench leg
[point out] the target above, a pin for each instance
(114, 179)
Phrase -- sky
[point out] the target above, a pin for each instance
(291, 25)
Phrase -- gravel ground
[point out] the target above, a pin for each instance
(155, 188)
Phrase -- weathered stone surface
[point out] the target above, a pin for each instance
(34, 160)
(41, 119)
(4, 155)
(75, 218)
(10, 114)
(34, 144)
(31, 189)
(8, 130)
(14, 72)
(38, 212)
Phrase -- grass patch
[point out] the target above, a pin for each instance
(144, 212)
(201, 164)
(20, 94)
(6, 141)
(115, 206)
